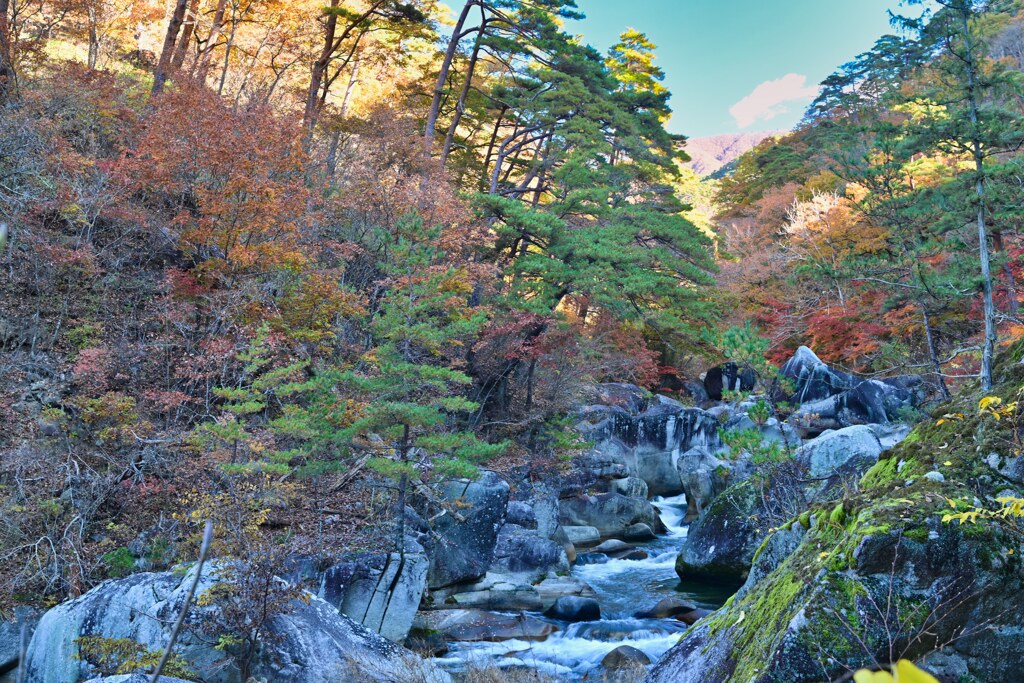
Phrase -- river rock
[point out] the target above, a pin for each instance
(613, 547)
(494, 591)
(468, 625)
(720, 546)
(647, 443)
(693, 616)
(561, 538)
(851, 448)
(10, 635)
(465, 549)
(639, 533)
(554, 587)
(380, 591)
(591, 558)
(668, 608)
(625, 657)
(135, 678)
(573, 609)
(523, 551)
(310, 644)
(581, 535)
(630, 486)
(520, 513)
(609, 513)
(728, 377)
(812, 379)
(704, 476)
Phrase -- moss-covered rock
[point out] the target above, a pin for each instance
(878, 575)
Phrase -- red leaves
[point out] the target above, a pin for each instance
(236, 178)
(842, 336)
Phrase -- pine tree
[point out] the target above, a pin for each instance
(972, 119)
(407, 388)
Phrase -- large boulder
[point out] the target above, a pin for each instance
(703, 476)
(853, 448)
(380, 591)
(470, 625)
(880, 571)
(629, 486)
(525, 552)
(728, 377)
(645, 445)
(11, 633)
(507, 592)
(573, 609)
(813, 380)
(312, 643)
(625, 657)
(467, 535)
(720, 546)
(831, 399)
(610, 513)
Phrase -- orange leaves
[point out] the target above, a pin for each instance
(237, 182)
(309, 309)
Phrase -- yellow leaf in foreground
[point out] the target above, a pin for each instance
(903, 672)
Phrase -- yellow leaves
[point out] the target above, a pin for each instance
(970, 517)
(822, 555)
(1012, 508)
(988, 402)
(948, 463)
(903, 672)
(993, 406)
(950, 417)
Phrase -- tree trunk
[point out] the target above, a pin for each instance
(442, 76)
(227, 54)
(332, 44)
(932, 354)
(988, 348)
(206, 57)
(493, 141)
(460, 107)
(320, 67)
(999, 247)
(353, 79)
(7, 76)
(173, 26)
(94, 40)
(181, 51)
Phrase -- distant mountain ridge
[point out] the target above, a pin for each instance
(711, 154)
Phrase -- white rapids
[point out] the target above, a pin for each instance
(623, 587)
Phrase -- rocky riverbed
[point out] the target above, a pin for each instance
(608, 561)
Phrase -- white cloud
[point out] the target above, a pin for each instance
(770, 98)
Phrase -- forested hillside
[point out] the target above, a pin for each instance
(373, 296)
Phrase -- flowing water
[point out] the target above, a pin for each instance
(623, 588)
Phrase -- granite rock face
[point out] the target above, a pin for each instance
(465, 548)
(313, 643)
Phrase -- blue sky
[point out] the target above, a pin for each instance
(762, 59)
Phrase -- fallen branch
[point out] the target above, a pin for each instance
(205, 548)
